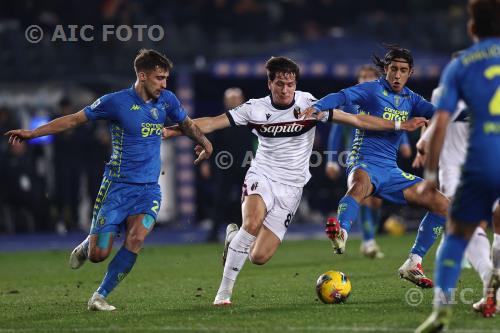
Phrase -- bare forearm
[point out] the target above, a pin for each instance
(373, 123)
(189, 128)
(60, 124)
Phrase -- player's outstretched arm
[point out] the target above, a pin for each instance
(205, 124)
(189, 128)
(55, 126)
(372, 123)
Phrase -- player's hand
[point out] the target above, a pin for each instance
(426, 186)
(310, 113)
(168, 132)
(419, 160)
(332, 171)
(203, 153)
(413, 124)
(19, 135)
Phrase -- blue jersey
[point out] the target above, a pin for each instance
(475, 78)
(341, 137)
(136, 128)
(377, 98)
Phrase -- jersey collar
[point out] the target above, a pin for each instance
(387, 86)
(281, 107)
(139, 99)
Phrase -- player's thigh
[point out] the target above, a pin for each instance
(432, 200)
(359, 184)
(142, 216)
(257, 199)
(253, 211)
(264, 247)
(138, 227)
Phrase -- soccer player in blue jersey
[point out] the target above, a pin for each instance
(475, 78)
(339, 139)
(129, 197)
(372, 166)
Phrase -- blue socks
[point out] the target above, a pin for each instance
(430, 228)
(118, 268)
(448, 266)
(367, 219)
(347, 212)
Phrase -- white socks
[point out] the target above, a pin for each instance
(478, 254)
(415, 258)
(236, 256)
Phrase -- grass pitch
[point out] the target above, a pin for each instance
(171, 289)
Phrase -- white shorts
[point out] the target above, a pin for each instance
(449, 177)
(281, 201)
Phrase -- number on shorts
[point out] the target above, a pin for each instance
(288, 220)
(408, 176)
(156, 206)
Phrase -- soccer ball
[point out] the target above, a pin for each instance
(333, 287)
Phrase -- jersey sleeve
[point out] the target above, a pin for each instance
(360, 93)
(350, 108)
(422, 107)
(102, 108)
(175, 111)
(240, 115)
(449, 82)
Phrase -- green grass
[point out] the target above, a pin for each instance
(171, 289)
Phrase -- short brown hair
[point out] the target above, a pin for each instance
(369, 68)
(486, 16)
(149, 59)
(281, 65)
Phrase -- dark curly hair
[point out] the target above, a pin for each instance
(394, 51)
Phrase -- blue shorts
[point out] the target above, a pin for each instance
(475, 196)
(388, 182)
(116, 201)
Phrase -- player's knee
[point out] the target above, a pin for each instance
(135, 241)
(252, 223)
(96, 255)
(257, 258)
(357, 190)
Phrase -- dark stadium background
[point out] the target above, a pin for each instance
(49, 188)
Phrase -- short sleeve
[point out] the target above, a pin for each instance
(102, 108)
(175, 111)
(449, 83)
(240, 115)
(422, 107)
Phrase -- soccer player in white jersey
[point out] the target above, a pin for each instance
(273, 184)
(451, 159)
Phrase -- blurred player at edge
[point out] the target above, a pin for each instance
(339, 139)
(451, 159)
(129, 197)
(473, 77)
(372, 164)
(272, 188)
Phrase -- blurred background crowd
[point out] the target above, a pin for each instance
(49, 185)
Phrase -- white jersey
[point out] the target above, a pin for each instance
(454, 148)
(285, 142)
